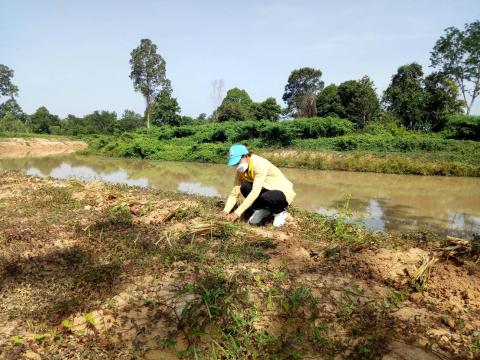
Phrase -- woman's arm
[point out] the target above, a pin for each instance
(258, 180)
(234, 194)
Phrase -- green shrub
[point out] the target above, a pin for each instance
(411, 142)
(314, 128)
(209, 153)
(278, 134)
(463, 127)
(248, 130)
(210, 142)
(9, 123)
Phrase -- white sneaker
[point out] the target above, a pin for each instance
(258, 216)
(279, 219)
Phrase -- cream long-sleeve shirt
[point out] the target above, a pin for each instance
(265, 175)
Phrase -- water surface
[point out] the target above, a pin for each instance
(381, 201)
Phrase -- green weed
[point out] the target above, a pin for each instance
(120, 215)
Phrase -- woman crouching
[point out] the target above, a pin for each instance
(265, 189)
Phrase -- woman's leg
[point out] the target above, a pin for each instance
(245, 188)
(273, 200)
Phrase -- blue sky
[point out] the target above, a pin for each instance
(73, 56)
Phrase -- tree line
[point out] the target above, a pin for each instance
(415, 100)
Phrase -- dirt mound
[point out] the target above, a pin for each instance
(391, 266)
(447, 306)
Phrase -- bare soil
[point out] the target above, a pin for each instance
(11, 148)
(97, 271)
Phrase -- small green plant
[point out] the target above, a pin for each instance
(90, 319)
(475, 346)
(66, 324)
(396, 299)
(17, 340)
(165, 342)
(120, 215)
(295, 297)
(39, 337)
(343, 229)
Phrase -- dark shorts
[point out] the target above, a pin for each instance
(273, 200)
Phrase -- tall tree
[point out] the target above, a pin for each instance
(267, 110)
(405, 96)
(165, 109)
(12, 124)
(130, 121)
(73, 125)
(457, 54)
(237, 105)
(202, 117)
(308, 106)
(41, 121)
(359, 100)
(441, 100)
(7, 88)
(301, 85)
(100, 122)
(148, 73)
(422, 103)
(329, 103)
(12, 107)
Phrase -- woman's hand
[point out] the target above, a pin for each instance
(232, 217)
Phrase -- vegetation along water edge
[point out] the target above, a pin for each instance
(316, 143)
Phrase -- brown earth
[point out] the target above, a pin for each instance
(90, 270)
(37, 147)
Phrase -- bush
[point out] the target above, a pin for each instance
(210, 142)
(248, 130)
(278, 134)
(9, 123)
(314, 128)
(411, 142)
(462, 127)
(208, 153)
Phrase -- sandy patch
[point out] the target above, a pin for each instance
(11, 148)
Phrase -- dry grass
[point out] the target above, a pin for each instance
(457, 247)
(422, 273)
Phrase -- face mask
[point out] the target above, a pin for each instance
(241, 168)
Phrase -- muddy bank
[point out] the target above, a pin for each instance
(95, 271)
(11, 148)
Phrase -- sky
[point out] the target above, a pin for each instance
(73, 56)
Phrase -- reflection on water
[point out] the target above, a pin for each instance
(197, 189)
(383, 201)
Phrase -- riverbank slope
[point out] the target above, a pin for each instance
(38, 147)
(102, 271)
(463, 159)
(315, 144)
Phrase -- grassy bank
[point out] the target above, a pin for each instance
(98, 271)
(310, 143)
(317, 143)
(4, 134)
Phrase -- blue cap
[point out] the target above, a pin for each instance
(236, 153)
